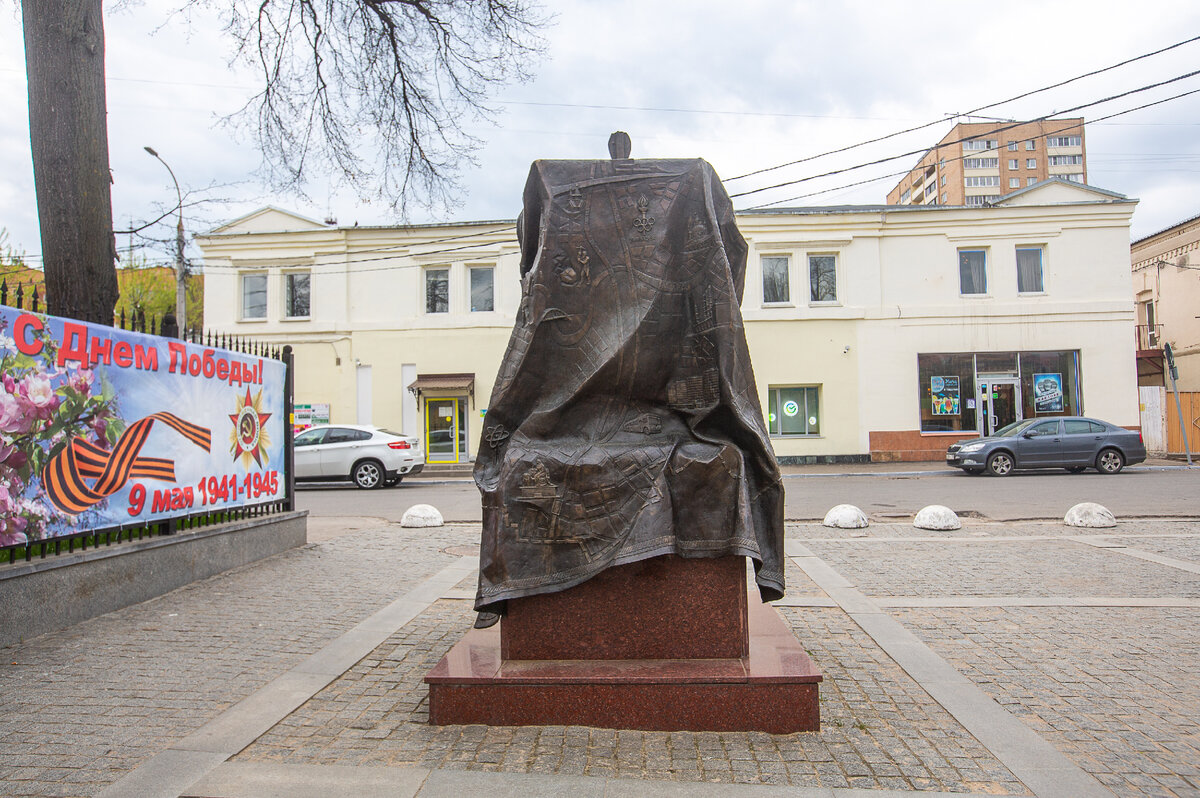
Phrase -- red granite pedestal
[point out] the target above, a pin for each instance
(664, 644)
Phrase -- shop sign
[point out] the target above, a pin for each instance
(308, 415)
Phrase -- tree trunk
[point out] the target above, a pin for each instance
(68, 128)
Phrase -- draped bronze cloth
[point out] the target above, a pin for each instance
(625, 423)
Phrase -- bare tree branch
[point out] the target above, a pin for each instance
(377, 91)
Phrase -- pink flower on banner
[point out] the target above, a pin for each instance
(17, 414)
(40, 393)
(81, 380)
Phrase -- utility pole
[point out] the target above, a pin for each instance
(180, 268)
(1173, 372)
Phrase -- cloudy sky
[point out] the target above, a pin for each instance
(745, 85)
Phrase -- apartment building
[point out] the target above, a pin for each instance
(1166, 286)
(876, 332)
(977, 163)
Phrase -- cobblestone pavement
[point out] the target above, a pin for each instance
(1113, 688)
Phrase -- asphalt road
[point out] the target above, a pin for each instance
(886, 495)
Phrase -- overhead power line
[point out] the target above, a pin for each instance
(976, 154)
(967, 113)
(1000, 129)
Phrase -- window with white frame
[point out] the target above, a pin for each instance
(822, 278)
(980, 144)
(905, 195)
(931, 190)
(986, 180)
(1074, 177)
(945, 197)
(943, 181)
(1066, 160)
(1064, 141)
(1031, 144)
(1014, 182)
(794, 410)
(775, 279)
(1012, 163)
(1029, 270)
(981, 163)
(1029, 181)
(296, 295)
(254, 296)
(972, 271)
(975, 200)
(437, 290)
(482, 289)
(1012, 146)
(1031, 163)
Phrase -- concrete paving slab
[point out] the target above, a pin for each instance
(270, 780)
(166, 775)
(459, 783)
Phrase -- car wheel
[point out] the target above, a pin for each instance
(1076, 469)
(1000, 464)
(1110, 461)
(368, 474)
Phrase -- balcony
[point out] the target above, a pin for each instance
(1149, 339)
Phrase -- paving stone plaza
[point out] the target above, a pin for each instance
(1023, 658)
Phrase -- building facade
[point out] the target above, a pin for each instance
(1166, 287)
(977, 163)
(876, 333)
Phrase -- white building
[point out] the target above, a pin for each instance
(883, 332)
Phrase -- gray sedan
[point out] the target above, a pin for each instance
(1072, 443)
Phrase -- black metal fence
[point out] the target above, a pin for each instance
(27, 297)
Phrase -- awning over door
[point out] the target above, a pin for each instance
(440, 384)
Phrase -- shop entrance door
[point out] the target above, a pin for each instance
(999, 403)
(445, 433)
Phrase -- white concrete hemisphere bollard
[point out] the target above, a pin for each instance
(421, 515)
(845, 516)
(1090, 514)
(935, 516)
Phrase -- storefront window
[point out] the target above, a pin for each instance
(946, 388)
(1050, 384)
(794, 411)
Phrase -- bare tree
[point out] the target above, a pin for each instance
(379, 90)
(376, 91)
(64, 63)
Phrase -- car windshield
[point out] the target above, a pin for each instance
(1015, 429)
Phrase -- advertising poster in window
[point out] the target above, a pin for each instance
(308, 415)
(1047, 393)
(102, 428)
(945, 397)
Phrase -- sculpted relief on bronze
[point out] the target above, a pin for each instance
(625, 422)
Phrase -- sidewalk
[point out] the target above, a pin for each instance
(1000, 659)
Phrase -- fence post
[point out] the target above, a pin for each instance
(289, 410)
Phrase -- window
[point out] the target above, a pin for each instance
(482, 289)
(1029, 181)
(981, 163)
(946, 384)
(972, 271)
(1064, 141)
(1012, 146)
(987, 180)
(1080, 426)
(1029, 270)
(1031, 145)
(977, 200)
(1014, 182)
(310, 437)
(1012, 163)
(980, 144)
(344, 435)
(1049, 384)
(1066, 160)
(1031, 163)
(822, 278)
(945, 197)
(254, 296)
(437, 290)
(905, 195)
(943, 181)
(775, 279)
(794, 411)
(1074, 177)
(296, 295)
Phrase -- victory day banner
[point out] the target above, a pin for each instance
(101, 428)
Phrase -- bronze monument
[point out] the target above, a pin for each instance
(625, 423)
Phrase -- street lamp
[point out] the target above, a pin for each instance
(180, 274)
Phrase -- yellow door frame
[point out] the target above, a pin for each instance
(454, 431)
